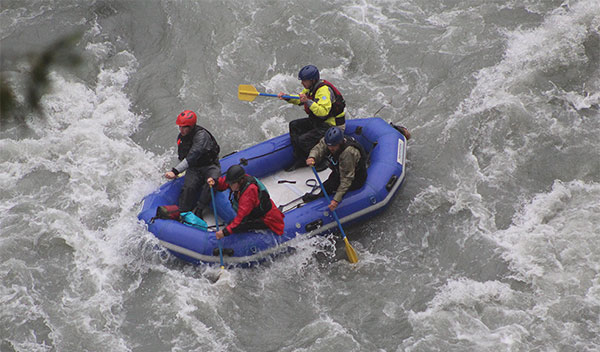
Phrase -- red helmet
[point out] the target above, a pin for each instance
(187, 118)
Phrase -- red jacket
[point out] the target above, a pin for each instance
(246, 203)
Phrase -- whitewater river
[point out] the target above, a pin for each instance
(492, 244)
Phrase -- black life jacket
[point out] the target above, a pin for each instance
(184, 144)
(361, 170)
(264, 199)
(338, 104)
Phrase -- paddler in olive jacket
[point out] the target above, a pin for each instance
(348, 161)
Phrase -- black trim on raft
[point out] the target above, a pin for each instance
(358, 132)
(313, 225)
(391, 182)
(226, 252)
(244, 161)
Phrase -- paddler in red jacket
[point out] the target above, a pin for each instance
(251, 200)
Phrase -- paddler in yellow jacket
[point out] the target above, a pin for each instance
(324, 104)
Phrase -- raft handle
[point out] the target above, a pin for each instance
(226, 251)
(391, 183)
(313, 225)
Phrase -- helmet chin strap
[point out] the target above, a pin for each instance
(339, 149)
(313, 84)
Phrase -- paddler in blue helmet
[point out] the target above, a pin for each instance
(346, 158)
(324, 105)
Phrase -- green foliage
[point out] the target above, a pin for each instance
(7, 98)
(61, 53)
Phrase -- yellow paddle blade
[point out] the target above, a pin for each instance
(352, 257)
(247, 92)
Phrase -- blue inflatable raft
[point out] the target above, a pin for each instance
(387, 152)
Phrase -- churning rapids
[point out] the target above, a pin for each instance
(492, 244)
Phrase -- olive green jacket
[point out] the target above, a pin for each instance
(348, 161)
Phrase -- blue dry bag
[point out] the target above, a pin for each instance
(190, 219)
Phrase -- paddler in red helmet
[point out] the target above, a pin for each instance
(198, 154)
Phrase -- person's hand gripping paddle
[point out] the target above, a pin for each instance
(352, 257)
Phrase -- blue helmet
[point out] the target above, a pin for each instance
(308, 72)
(334, 136)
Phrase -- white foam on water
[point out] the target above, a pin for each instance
(11, 18)
(554, 239)
(325, 334)
(87, 275)
(559, 42)
(85, 138)
(582, 101)
(552, 249)
(553, 246)
(86, 209)
(470, 315)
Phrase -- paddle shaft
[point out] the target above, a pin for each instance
(275, 95)
(329, 201)
(212, 196)
(247, 92)
(350, 252)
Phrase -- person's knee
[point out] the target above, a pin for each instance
(308, 137)
(294, 127)
(190, 189)
(215, 173)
